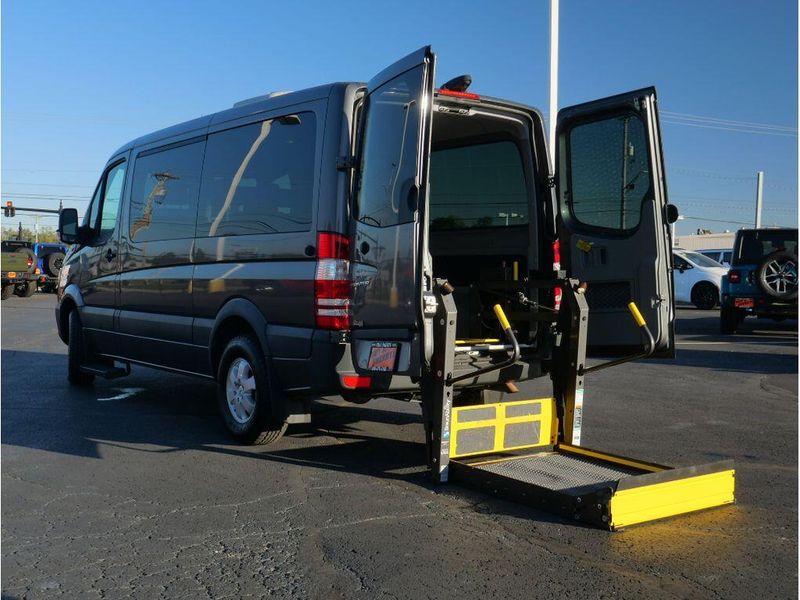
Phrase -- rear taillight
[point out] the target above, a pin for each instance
(332, 282)
(30, 262)
(734, 276)
(557, 267)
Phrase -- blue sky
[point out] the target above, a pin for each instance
(81, 78)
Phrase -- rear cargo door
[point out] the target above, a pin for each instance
(389, 198)
(613, 223)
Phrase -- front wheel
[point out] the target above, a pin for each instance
(728, 320)
(243, 393)
(705, 295)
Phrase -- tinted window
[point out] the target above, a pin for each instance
(164, 194)
(609, 176)
(755, 245)
(259, 178)
(387, 192)
(701, 260)
(115, 182)
(478, 186)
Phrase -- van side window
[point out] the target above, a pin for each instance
(386, 191)
(164, 193)
(115, 181)
(259, 178)
(609, 176)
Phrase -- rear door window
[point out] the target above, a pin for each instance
(755, 245)
(259, 178)
(164, 193)
(609, 175)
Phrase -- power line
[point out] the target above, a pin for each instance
(731, 122)
(734, 129)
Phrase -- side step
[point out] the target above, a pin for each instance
(107, 370)
(508, 449)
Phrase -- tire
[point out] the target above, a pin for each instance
(25, 290)
(728, 320)
(705, 295)
(53, 262)
(7, 291)
(76, 353)
(243, 393)
(777, 275)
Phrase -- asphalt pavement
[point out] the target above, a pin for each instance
(131, 488)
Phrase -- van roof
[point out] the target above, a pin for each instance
(240, 109)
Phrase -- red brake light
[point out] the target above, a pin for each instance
(455, 94)
(30, 261)
(734, 276)
(332, 282)
(356, 381)
(557, 267)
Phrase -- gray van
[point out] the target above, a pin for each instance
(288, 247)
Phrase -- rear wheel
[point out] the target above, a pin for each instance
(705, 295)
(25, 290)
(728, 320)
(243, 393)
(8, 291)
(76, 354)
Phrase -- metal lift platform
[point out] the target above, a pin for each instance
(529, 451)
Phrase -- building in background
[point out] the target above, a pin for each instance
(705, 241)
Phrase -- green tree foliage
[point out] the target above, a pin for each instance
(47, 235)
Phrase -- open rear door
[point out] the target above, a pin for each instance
(389, 250)
(613, 224)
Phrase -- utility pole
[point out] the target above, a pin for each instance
(759, 197)
(553, 79)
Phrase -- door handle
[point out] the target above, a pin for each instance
(110, 255)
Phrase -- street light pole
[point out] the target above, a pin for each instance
(553, 79)
(759, 197)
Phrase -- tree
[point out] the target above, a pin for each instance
(47, 235)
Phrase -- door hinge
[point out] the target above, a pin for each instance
(551, 181)
(344, 163)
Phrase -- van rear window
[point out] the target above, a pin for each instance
(259, 178)
(478, 186)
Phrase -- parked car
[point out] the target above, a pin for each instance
(50, 257)
(721, 255)
(19, 270)
(698, 279)
(281, 246)
(762, 280)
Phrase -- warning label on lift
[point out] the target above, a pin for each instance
(577, 417)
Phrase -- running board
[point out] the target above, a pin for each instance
(509, 450)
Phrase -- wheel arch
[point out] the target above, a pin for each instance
(71, 300)
(236, 317)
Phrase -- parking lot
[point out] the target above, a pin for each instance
(132, 489)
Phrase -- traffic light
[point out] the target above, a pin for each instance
(10, 211)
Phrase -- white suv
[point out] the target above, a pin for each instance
(698, 278)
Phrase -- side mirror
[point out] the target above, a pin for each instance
(68, 226)
(672, 213)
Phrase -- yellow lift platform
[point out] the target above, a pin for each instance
(523, 451)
